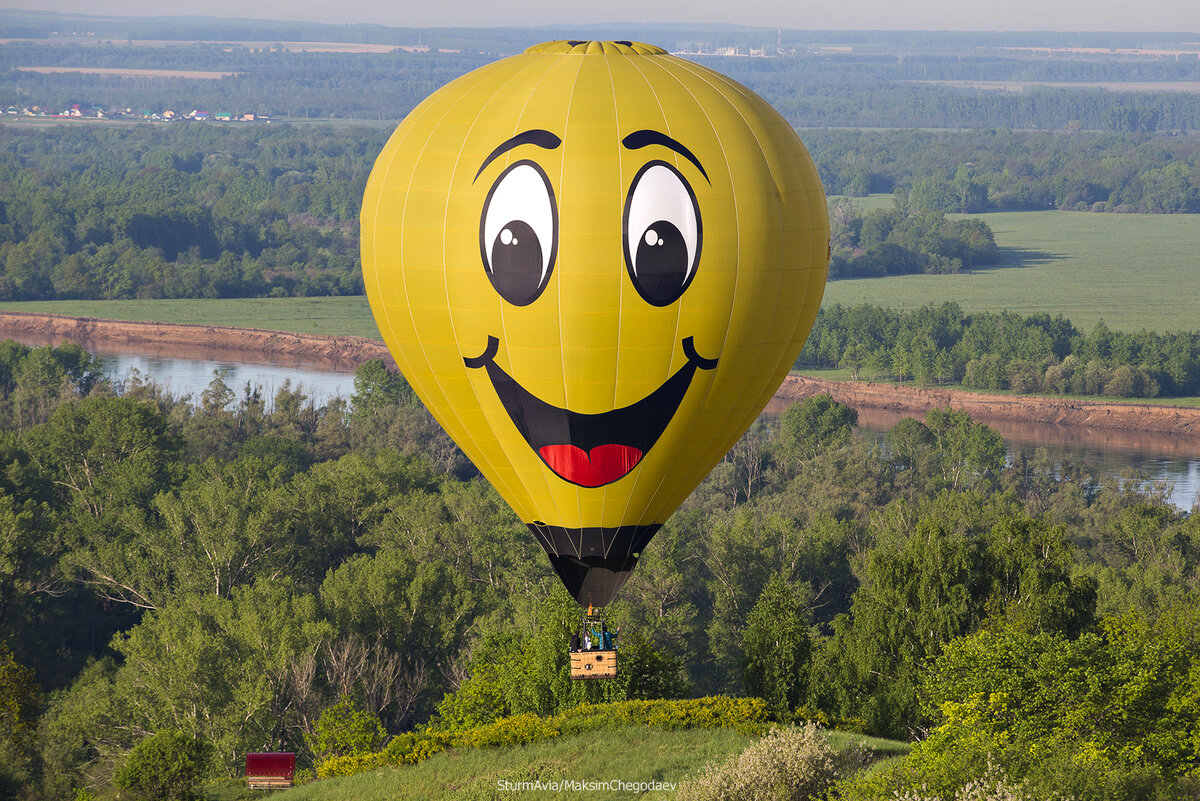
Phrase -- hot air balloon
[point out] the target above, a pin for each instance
(594, 262)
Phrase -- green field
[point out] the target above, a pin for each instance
(632, 754)
(343, 316)
(1133, 270)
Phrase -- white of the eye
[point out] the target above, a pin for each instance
(661, 195)
(522, 194)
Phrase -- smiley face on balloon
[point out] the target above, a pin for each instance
(594, 262)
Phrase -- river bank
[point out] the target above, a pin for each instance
(249, 344)
(1179, 421)
(192, 341)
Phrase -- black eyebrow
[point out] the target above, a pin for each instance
(639, 139)
(535, 136)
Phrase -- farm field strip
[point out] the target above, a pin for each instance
(121, 72)
(331, 316)
(291, 47)
(1191, 87)
(1134, 271)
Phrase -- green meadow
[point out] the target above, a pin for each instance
(339, 316)
(634, 755)
(1133, 271)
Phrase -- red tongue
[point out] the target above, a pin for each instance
(606, 463)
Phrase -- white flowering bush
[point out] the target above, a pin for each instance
(992, 786)
(790, 764)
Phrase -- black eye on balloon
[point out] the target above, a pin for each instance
(662, 233)
(518, 233)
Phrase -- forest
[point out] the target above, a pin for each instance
(185, 211)
(222, 210)
(999, 169)
(1003, 351)
(242, 570)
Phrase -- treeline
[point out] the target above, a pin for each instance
(248, 572)
(917, 105)
(812, 90)
(974, 171)
(206, 211)
(1003, 351)
(181, 211)
(896, 91)
(903, 241)
(201, 210)
(274, 83)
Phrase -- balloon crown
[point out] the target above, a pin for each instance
(584, 47)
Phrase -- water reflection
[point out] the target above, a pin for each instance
(190, 377)
(1171, 459)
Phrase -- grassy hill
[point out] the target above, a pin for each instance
(633, 754)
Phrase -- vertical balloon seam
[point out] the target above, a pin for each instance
(424, 109)
(636, 478)
(657, 503)
(620, 295)
(700, 73)
(543, 65)
(561, 344)
(514, 78)
(750, 412)
(446, 284)
(816, 276)
(403, 273)
(654, 508)
(633, 63)
(753, 100)
(546, 64)
(739, 431)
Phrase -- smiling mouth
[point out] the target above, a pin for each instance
(591, 450)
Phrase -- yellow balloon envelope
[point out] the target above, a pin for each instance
(594, 262)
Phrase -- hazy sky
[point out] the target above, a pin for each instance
(1119, 15)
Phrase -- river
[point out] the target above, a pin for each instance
(180, 377)
(1160, 457)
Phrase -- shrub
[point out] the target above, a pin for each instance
(165, 765)
(746, 715)
(345, 729)
(351, 764)
(992, 786)
(794, 763)
(413, 747)
(515, 730)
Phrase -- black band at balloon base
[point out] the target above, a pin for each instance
(593, 562)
